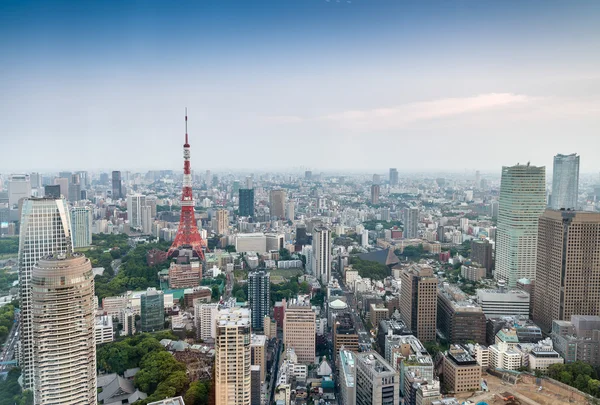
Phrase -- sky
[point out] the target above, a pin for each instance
(298, 84)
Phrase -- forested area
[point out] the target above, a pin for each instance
(7, 319)
(370, 269)
(9, 245)
(10, 390)
(578, 374)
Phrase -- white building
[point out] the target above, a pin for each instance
(250, 242)
(322, 254)
(81, 226)
(104, 329)
(135, 203)
(502, 302)
(377, 382)
(205, 316)
(504, 357)
(19, 186)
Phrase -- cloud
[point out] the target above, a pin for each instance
(282, 119)
(402, 115)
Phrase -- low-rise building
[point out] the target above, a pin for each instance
(505, 357)
(377, 313)
(104, 329)
(503, 302)
(459, 319)
(461, 371)
(377, 381)
(347, 376)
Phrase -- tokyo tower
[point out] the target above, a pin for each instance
(187, 236)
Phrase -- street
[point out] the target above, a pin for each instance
(7, 357)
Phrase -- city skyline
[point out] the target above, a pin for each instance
(286, 77)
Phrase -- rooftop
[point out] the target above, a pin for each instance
(374, 362)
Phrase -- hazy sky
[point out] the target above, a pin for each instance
(361, 84)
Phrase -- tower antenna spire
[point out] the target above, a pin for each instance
(186, 133)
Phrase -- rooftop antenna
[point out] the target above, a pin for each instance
(186, 133)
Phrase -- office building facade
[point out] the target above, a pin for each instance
(278, 199)
(259, 296)
(81, 226)
(117, 185)
(63, 309)
(377, 383)
(418, 301)
(481, 253)
(19, 186)
(134, 210)
(375, 191)
(393, 177)
(299, 330)
(152, 310)
(522, 202)
(411, 220)
(568, 266)
(565, 182)
(321, 248)
(246, 204)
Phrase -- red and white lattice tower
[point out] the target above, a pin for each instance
(187, 236)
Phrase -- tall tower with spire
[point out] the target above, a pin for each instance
(187, 236)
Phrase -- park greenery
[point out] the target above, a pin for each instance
(416, 252)
(11, 390)
(371, 269)
(578, 374)
(160, 376)
(7, 319)
(9, 245)
(288, 290)
(370, 225)
(7, 279)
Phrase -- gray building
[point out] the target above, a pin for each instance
(117, 186)
(259, 296)
(565, 182)
(377, 382)
(411, 219)
(152, 310)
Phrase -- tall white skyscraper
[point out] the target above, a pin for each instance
(321, 248)
(19, 186)
(565, 181)
(522, 202)
(135, 203)
(232, 357)
(64, 342)
(81, 226)
(45, 230)
(411, 219)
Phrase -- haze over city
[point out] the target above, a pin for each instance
(326, 85)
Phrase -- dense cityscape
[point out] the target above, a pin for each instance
(309, 202)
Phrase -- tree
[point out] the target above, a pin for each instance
(198, 392)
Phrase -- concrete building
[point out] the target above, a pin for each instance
(568, 267)
(344, 334)
(481, 253)
(377, 313)
(45, 230)
(127, 317)
(152, 310)
(542, 357)
(299, 331)
(64, 344)
(578, 340)
(278, 199)
(104, 329)
(377, 383)
(375, 190)
(275, 242)
(407, 354)
(503, 302)
(258, 355)
(522, 202)
(206, 316)
(134, 210)
(427, 393)
(232, 357)
(117, 186)
(259, 297)
(321, 249)
(63, 184)
(19, 186)
(472, 273)
(255, 385)
(250, 242)
(565, 182)
(411, 220)
(418, 301)
(246, 204)
(505, 357)
(81, 226)
(222, 222)
(347, 376)
(185, 273)
(461, 371)
(459, 320)
(393, 177)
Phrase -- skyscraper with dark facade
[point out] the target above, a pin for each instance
(117, 187)
(246, 202)
(481, 252)
(393, 177)
(259, 295)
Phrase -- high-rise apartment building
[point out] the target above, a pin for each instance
(481, 253)
(299, 330)
(258, 354)
(347, 376)
(63, 319)
(522, 202)
(45, 230)
(206, 316)
(134, 210)
(152, 305)
(411, 220)
(75, 188)
(321, 247)
(259, 295)
(418, 301)
(246, 207)
(232, 357)
(19, 186)
(375, 190)
(568, 266)
(393, 177)
(117, 186)
(81, 226)
(565, 182)
(377, 382)
(222, 222)
(278, 200)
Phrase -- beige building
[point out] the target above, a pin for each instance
(418, 301)
(568, 267)
(222, 225)
(278, 202)
(299, 330)
(377, 313)
(461, 371)
(232, 357)
(63, 306)
(258, 356)
(185, 275)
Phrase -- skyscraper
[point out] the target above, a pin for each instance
(246, 208)
(259, 295)
(134, 210)
(75, 188)
(278, 202)
(481, 253)
(418, 301)
(393, 177)
(299, 330)
(522, 202)
(45, 230)
(565, 181)
(232, 357)
(117, 187)
(568, 267)
(411, 219)
(63, 314)
(222, 225)
(81, 226)
(375, 188)
(152, 312)
(321, 247)
(19, 186)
